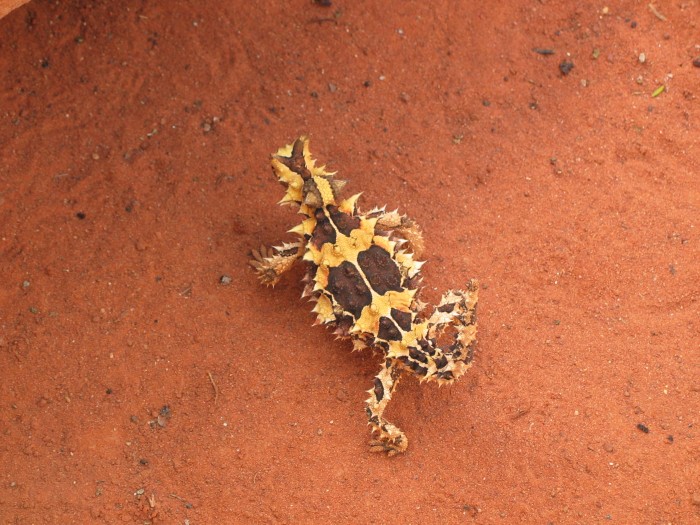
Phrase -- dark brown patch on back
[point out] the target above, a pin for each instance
(403, 319)
(378, 389)
(388, 330)
(426, 346)
(446, 308)
(379, 268)
(324, 231)
(296, 161)
(344, 324)
(447, 376)
(441, 362)
(343, 221)
(418, 368)
(348, 288)
(413, 365)
(411, 283)
(417, 354)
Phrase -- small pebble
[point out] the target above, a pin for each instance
(696, 62)
(643, 427)
(225, 280)
(608, 447)
(642, 58)
(341, 395)
(565, 67)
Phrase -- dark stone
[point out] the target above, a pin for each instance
(565, 67)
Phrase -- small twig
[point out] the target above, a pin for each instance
(216, 389)
(319, 20)
(656, 13)
(521, 412)
(178, 497)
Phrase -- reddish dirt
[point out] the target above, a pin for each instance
(134, 148)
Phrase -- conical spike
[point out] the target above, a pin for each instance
(298, 229)
(348, 205)
(338, 186)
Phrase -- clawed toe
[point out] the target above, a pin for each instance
(389, 446)
(266, 263)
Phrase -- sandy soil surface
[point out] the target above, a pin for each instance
(134, 174)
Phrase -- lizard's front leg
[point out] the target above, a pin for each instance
(390, 438)
(271, 263)
(402, 227)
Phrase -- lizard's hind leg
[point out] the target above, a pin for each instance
(390, 438)
(402, 227)
(271, 263)
(452, 326)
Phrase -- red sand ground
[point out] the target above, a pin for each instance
(134, 173)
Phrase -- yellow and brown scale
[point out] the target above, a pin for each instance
(364, 278)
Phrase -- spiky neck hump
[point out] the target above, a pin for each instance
(308, 186)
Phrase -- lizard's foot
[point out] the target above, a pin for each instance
(271, 263)
(392, 441)
(402, 227)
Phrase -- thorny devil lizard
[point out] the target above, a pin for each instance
(363, 276)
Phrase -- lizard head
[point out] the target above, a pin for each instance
(308, 186)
